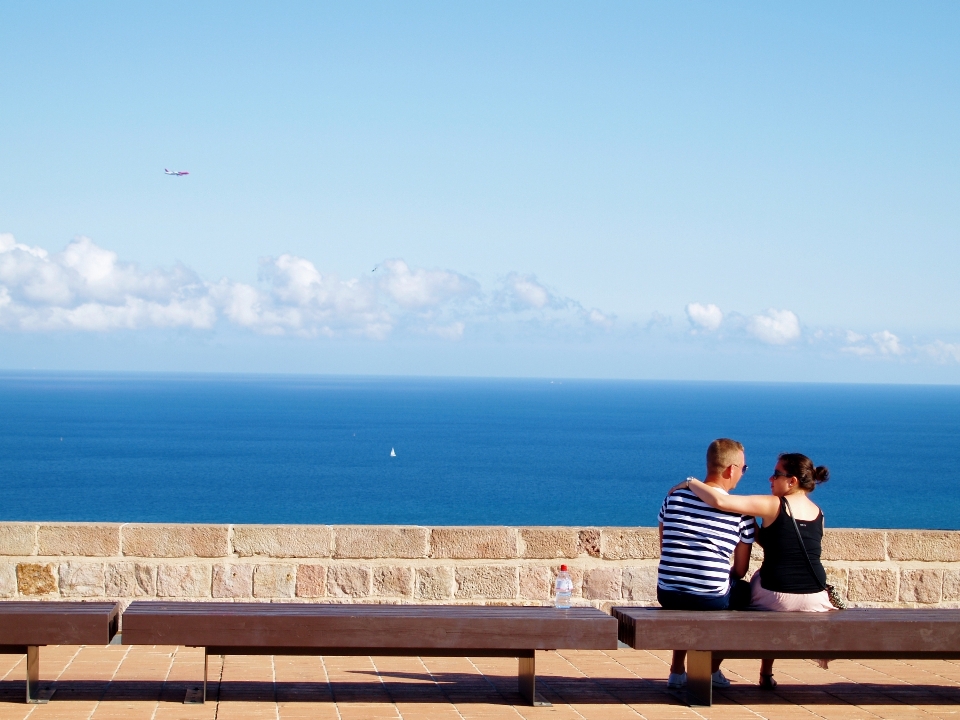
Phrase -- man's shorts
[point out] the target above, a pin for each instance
(737, 597)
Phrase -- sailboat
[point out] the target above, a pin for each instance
(393, 453)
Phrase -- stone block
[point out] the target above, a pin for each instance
(839, 578)
(845, 544)
(493, 582)
(8, 580)
(921, 586)
(951, 584)
(926, 545)
(184, 580)
(549, 542)
(602, 583)
(36, 578)
(80, 579)
(536, 583)
(283, 541)
(393, 581)
(349, 581)
(472, 543)
(640, 583)
(130, 579)
(381, 541)
(434, 583)
(274, 581)
(311, 581)
(87, 539)
(635, 543)
(873, 585)
(588, 542)
(18, 538)
(174, 541)
(232, 581)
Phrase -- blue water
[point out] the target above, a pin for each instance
(263, 449)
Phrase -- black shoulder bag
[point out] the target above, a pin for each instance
(838, 602)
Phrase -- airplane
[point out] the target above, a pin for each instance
(178, 173)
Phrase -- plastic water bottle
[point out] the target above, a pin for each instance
(564, 588)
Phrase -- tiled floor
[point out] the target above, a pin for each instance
(134, 683)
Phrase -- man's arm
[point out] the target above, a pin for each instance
(741, 559)
(661, 540)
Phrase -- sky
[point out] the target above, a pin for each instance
(702, 191)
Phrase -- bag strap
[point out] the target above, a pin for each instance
(806, 556)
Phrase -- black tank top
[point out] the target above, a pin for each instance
(784, 568)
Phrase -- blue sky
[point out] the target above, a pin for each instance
(670, 190)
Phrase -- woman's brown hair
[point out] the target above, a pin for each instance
(801, 467)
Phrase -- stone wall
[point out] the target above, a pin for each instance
(412, 564)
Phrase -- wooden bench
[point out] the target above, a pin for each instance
(852, 634)
(26, 626)
(415, 630)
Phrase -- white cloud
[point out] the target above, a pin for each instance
(86, 287)
(943, 352)
(776, 327)
(523, 292)
(704, 317)
(887, 343)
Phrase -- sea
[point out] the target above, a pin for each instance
(362, 450)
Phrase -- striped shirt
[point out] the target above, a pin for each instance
(698, 541)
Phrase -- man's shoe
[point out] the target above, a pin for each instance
(719, 681)
(676, 681)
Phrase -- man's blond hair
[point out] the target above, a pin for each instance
(721, 454)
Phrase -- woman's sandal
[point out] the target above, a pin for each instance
(767, 682)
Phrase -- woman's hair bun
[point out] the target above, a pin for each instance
(821, 474)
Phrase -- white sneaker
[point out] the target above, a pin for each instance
(676, 681)
(719, 681)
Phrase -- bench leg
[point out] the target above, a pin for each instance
(699, 677)
(197, 695)
(527, 680)
(36, 696)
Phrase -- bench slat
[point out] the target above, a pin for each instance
(857, 632)
(300, 625)
(57, 623)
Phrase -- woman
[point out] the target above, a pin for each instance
(786, 581)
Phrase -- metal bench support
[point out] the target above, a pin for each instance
(35, 694)
(699, 677)
(197, 694)
(527, 680)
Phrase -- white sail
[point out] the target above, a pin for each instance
(393, 453)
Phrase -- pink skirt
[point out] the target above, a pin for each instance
(763, 599)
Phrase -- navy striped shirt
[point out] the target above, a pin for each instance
(698, 541)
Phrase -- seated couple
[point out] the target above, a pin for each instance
(702, 526)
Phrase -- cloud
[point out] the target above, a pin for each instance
(942, 352)
(704, 317)
(775, 327)
(878, 343)
(88, 288)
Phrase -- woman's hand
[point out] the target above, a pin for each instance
(685, 485)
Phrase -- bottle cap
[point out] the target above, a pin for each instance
(563, 568)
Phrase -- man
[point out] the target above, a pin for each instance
(696, 543)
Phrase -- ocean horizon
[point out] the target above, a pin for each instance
(165, 447)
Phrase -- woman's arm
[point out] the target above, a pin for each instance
(756, 505)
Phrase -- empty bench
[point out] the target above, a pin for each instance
(414, 630)
(26, 626)
(851, 634)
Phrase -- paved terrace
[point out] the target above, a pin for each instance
(150, 682)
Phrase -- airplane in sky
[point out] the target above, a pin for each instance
(178, 173)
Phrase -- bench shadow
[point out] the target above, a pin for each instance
(470, 688)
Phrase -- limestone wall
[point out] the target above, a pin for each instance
(412, 564)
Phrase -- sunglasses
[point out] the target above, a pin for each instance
(777, 473)
(743, 468)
